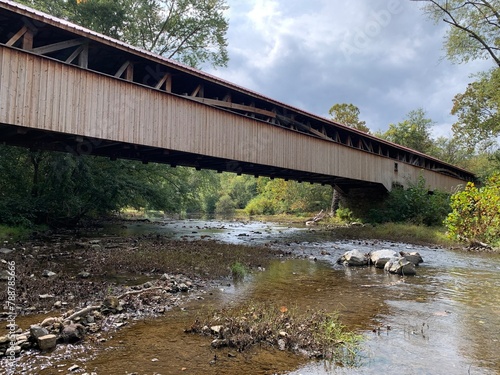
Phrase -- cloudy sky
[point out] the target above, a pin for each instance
(384, 56)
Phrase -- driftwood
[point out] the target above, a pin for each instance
(132, 292)
(84, 311)
(89, 309)
(320, 216)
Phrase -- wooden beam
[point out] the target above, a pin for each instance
(58, 46)
(128, 69)
(82, 52)
(198, 90)
(240, 107)
(28, 40)
(16, 36)
(167, 81)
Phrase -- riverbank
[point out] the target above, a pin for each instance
(162, 269)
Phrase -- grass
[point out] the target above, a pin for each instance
(8, 233)
(397, 232)
(317, 334)
(193, 258)
(238, 271)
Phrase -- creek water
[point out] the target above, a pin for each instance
(444, 320)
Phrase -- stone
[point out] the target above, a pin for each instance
(73, 333)
(353, 258)
(57, 304)
(5, 275)
(111, 302)
(5, 251)
(84, 275)
(16, 349)
(46, 296)
(380, 257)
(47, 273)
(47, 342)
(400, 266)
(37, 331)
(216, 329)
(412, 257)
(73, 368)
(183, 287)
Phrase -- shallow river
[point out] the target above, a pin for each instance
(445, 320)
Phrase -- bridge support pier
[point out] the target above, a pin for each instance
(362, 200)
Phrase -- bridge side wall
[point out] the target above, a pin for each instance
(41, 93)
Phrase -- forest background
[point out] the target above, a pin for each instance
(56, 189)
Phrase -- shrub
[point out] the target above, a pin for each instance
(225, 206)
(476, 212)
(414, 205)
(260, 205)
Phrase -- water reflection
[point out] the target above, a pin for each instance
(445, 320)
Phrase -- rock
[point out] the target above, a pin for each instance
(84, 275)
(216, 329)
(5, 251)
(73, 333)
(380, 257)
(47, 342)
(111, 302)
(37, 331)
(165, 277)
(281, 344)
(4, 275)
(400, 266)
(46, 296)
(16, 349)
(183, 287)
(57, 304)
(73, 368)
(47, 273)
(412, 257)
(353, 258)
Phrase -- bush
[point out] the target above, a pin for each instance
(260, 205)
(476, 212)
(414, 205)
(225, 206)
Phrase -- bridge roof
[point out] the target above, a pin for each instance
(256, 105)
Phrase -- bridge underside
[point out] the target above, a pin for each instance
(35, 139)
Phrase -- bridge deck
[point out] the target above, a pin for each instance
(66, 88)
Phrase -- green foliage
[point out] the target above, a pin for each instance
(476, 212)
(279, 196)
(474, 28)
(225, 207)
(344, 214)
(348, 114)
(238, 271)
(413, 132)
(413, 205)
(478, 111)
(190, 31)
(260, 206)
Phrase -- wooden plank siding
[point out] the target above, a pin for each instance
(41, 93)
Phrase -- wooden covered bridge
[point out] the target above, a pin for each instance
(66, 88)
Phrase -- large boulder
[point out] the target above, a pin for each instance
(354, 258)
(380, 257)
(412, 257)
(400, 266)
(72, 333)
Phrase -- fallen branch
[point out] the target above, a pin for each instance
(132, 292)
(84, 311)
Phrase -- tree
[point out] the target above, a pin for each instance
(475, 28)
(478, 111)
(190, 31)
(413, 132)
(348, 114)
(474, 34)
